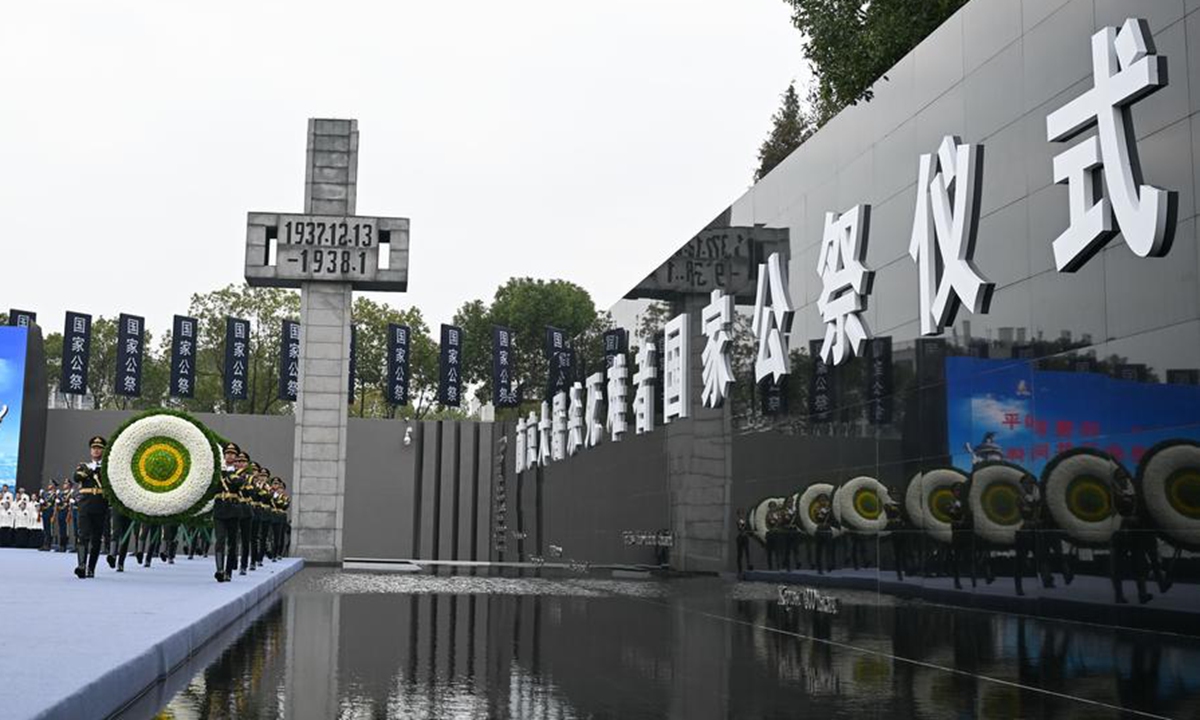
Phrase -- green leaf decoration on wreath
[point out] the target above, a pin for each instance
(161, 467)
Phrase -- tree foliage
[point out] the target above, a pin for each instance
(790, 127)
(527, 306)
(851, 43)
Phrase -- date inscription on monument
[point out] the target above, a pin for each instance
(283, 250)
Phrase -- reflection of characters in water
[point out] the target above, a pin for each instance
(987, 450)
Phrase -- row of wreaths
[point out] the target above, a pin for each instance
(1080, 488)
(163, 466)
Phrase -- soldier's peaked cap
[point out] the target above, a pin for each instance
(243, 456)
(232, 447)
(97, 441)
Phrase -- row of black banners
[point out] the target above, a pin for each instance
(77, 342)
(506, 392)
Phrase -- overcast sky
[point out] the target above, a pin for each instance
(552, 139)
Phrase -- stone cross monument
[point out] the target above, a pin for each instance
(327, 252)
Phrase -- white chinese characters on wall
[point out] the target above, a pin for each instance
(1125, 69)
(943, 235)
(773, 311)
(845, 283)
(715, 321)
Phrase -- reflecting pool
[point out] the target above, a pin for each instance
(337, 644)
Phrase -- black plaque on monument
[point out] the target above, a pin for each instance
(450, 370)
(76, 352)
(129, 355)
(398, 364)
(183, 357)
(237, 351)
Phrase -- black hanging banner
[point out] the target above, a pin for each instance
(397, 364)
(353, 358)
(879, 381)
(556, 341)
(616, 342)
(129, 355)
(449, 361)
(820, 387)
(773, 396)
(183, 357)
(21, 318)
(561, 374)
(77, 345)
(289, 361)
(503, 393)
(237, 351)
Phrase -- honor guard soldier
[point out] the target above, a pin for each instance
(62, 513)
(93, 510)
(897, 531)
(245, 472)
(265, 513)
(46, 503)
(743, 540)
(227, 515)
(283, 540)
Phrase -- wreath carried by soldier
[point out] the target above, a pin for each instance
(161, 467)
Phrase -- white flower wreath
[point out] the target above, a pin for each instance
(160, 467)
(928, 492)
(858, 505)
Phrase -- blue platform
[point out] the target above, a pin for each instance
(74, 648)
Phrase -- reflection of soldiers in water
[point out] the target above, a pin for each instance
(897, 530)
(791, 534)
(1036, 537)
(743, 540)
(962, 543)
(824, 521)
(1134, 545)
(773, 520)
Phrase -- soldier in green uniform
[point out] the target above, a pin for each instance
(119, 544)
(266, 515)
(245, 490)
(283, 539)
(227, 516)
(93, 509)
